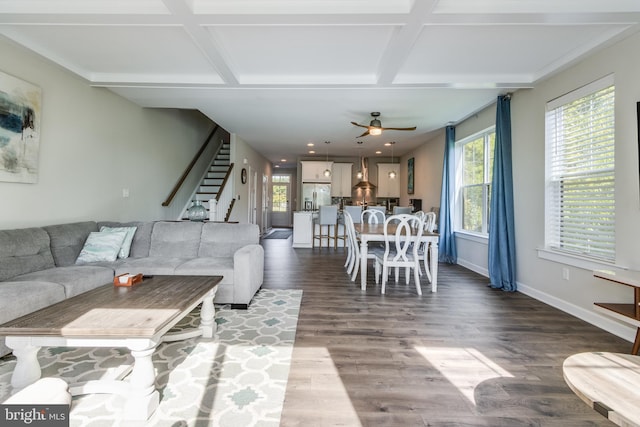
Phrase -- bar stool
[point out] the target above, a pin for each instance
(327, 217)
(401, 210)
(355, 212)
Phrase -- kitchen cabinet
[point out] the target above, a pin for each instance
(313, 171)
(341, 180)
(388, 187)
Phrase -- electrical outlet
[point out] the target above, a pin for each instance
(125, 192)
(565, 273)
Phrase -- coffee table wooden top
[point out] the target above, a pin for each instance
(608, 382)
(140, 311)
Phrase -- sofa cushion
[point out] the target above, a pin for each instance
(141, 238)
(101, 246)
(24, 297)
(211, 266)
(223, 239)
(177, 239)
(23, 251)
(149, 265)
(125, 248)
(74, 279)
(67, 240)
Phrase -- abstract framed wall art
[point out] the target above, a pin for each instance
(410, 173)
(20, 115)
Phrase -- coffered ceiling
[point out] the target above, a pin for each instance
(284, 73)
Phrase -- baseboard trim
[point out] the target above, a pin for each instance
(473, 267)
(603, 322)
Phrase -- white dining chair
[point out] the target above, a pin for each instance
(355, 212)
(354, 246)
(429, 222)
(420, 214)
(400, 250)
(372, 216)
(327, 217)
(381, 208)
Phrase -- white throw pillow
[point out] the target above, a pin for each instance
(126, 244)
(101, 247)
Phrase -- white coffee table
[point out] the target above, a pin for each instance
(137, 318)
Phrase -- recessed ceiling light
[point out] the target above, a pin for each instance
(312, 152)
(378, 152)
(283, 160)
(387, 144)
(310, 144)
(277, 166)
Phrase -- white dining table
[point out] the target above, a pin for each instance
(375, 233)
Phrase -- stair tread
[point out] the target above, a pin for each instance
(210, 185)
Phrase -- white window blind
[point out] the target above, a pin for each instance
(580, 200)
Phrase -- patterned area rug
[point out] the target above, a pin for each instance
(238, 379)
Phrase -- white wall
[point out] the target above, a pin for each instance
(542, 278)
(427, 180)
(255, 162)
(93, 144)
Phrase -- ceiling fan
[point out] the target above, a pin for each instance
(375, 127)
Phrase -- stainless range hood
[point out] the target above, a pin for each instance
(365, 184)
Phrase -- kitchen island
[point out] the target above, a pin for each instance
(303, 229)
(303, 223)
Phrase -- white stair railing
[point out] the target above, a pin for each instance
(218, 210)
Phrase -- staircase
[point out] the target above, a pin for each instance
(210, 184)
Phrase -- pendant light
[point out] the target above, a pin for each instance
(327, 171)
(359, 174)
(392, 173)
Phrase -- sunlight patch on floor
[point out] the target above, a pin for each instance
(316, 375)
(465, 368)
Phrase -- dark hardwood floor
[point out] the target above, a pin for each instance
(467, 355)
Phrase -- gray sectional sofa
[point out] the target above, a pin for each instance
(38, 265)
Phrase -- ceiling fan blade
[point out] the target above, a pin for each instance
(412, 128)
(364, 134)
(362, 126)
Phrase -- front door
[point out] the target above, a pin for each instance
(280, 196)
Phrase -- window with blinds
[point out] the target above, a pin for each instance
(580, 172)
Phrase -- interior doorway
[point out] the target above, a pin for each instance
(280, 201)
(265, 205)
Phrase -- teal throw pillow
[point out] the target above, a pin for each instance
(126, 244)
(101, 247)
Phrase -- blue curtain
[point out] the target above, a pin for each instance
(502, 248)
(447, 245)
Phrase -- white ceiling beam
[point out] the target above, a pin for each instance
(533, 18)
(320, 19)
(202, 39)
(399, 48)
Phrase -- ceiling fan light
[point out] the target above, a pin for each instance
(359, 175)
(375, 131)
(392, 174)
